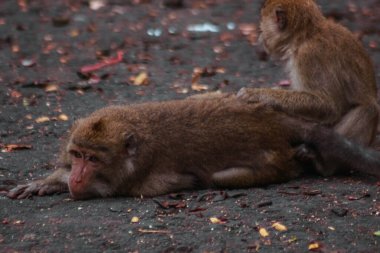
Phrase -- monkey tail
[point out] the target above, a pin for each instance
(335, 152)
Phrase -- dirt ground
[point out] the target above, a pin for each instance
(143, 50)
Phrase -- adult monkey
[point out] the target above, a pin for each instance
(156, 148)
(332, 77)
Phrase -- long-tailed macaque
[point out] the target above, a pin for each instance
(332, 77)
(156, 148)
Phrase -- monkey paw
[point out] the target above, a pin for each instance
(39, 187)
(250, 95)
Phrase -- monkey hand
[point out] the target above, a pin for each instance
(38, 187)
(249, 95)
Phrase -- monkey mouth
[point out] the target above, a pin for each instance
(98, 190)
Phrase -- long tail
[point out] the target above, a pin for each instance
(334, 152)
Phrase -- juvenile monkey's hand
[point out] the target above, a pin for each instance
(38, 187)
(250, 95)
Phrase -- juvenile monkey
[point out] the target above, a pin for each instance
(332, 77)
(156, 148)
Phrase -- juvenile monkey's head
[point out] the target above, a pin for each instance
(99, 152)
(284, 22)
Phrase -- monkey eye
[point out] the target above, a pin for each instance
(93, 159)
(76, 154)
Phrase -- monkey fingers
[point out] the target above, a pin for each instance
(249, 95)
(38, 187)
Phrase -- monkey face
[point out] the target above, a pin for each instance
(86, 179)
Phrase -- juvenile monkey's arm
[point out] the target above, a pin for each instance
(302, 103)
(54, 183)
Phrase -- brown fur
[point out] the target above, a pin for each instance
(156, 148)
(332, 77)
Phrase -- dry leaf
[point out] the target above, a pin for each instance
(51, 88)
(215, 220)
(135, 219)
(141, 79)
(12, 147)
(263, 232)
(15, 94)
(292, 239)
(199, 87)
(63, 117)
(314, 246)
(42, 119)
(279, 227)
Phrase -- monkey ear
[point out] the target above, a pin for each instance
(130, 144)
(98, 126)
(281, 18)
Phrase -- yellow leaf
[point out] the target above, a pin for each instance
(141, 79)
(313, 246)
(199, 87)
(215, 220)
(292, 239)
(51, 88)
(263, 232)
(279, 227)
(135, 219)
(42, 119)
(63, 117)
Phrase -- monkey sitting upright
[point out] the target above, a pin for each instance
(156, 148)
(332, 77)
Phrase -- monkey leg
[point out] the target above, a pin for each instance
(55, 183)
(243, 177)
(360, 124)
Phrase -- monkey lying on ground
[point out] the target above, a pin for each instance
(332, 77)
(156, 148)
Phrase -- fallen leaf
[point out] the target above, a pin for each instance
(102, 64)
(215, 220)
(263, 232)
(314, 246)
(63, 117)
(15, 94)
(292, 239)
(199, 87)
(51, 88)
(141, 79)
(135, 219)
(12, 147)
(152, 231)
(284, 83)
(97, 4)
(28, 62)
(377, 233)
(279, 227)
(42, 119)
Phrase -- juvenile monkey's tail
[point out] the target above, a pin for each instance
(335, 152)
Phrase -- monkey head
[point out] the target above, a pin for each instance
(284, 22)
(97, 155)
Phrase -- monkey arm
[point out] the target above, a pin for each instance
(54, 183)
(210, 95)
(302, 103)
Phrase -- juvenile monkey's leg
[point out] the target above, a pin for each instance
(54, 183)
(360, 124)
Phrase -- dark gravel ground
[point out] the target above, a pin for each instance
(43, 46)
